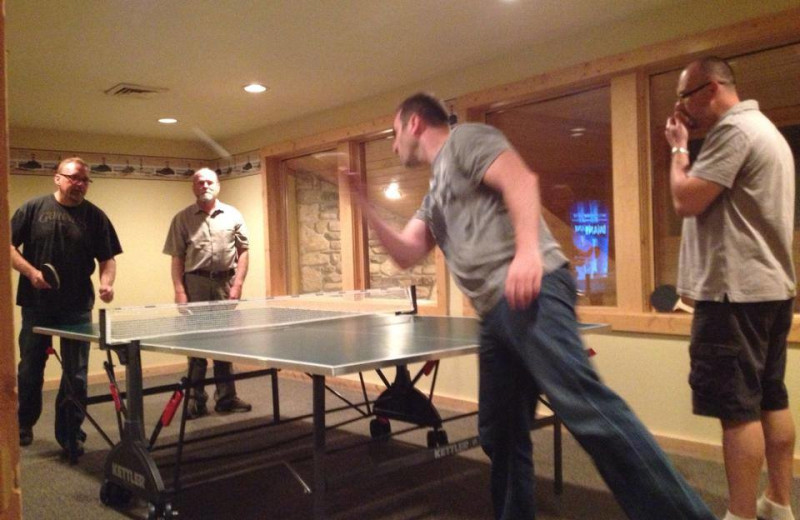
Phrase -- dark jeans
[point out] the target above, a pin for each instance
(33, 357)
(539, 350)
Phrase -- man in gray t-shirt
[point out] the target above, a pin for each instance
(483, 211)
(737, 200)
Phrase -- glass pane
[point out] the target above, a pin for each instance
(771, 78)
(396, 193)
(313, 234)
(567, 141)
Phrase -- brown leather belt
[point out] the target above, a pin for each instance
(213, 274)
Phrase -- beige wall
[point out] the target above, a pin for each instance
(141, 211)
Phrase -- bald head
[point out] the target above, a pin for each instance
(205, 186)
(714, 69)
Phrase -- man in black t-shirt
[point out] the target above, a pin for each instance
(70, 233)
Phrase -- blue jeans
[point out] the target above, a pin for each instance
(33, 358)
(539, 350)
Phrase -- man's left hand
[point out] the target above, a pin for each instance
(235, 293)
(524, 280)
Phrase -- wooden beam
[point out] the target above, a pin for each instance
(772, 30)
(275, 223)
(631, 229)
(323, 141)
(355, 273)
(10, 484)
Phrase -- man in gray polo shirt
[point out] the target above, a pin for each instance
(209, 248)
(737, 201)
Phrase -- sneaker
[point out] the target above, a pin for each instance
(232, 405)
(25, 436)
(196, 410)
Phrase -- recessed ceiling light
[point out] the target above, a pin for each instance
(168, 120)
(255, 88)
(577, 130)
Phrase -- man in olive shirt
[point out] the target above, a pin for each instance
(209, 248)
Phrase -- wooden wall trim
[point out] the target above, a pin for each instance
(10, 484)
(355, 264)
(274, 227)
(630, 183)
(776, 29)
(628, 74)
(323, 140)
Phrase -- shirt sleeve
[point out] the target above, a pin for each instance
(724, 151)
(424, 211)
(175, 244)
(20, 226)
(476, 147)
(241, 235)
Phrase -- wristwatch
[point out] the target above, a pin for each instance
(679, 149)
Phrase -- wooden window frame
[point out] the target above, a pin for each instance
(628, 76)
(355, 264)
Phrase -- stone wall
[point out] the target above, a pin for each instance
(320, 243)
(384, 273)
(319, 234)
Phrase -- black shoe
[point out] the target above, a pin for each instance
(79, 450)
(232, 405)
(196, 410)
(25, 436)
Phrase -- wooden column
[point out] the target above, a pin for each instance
(632, 223)
(275, 222)
(10, 490)
(355, 274)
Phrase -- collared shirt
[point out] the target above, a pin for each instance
(207, 241)
(740, 247)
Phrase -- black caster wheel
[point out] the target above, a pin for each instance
(437, 438)
(114, 495)
(161, 512)
(380, 428)
(168, 513)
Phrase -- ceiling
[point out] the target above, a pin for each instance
(313, 55)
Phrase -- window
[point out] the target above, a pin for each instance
(313, 242)
(768, 76)
(396, 193)
(567, 141)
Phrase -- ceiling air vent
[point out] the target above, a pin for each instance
(129, 90)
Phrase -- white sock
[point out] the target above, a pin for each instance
(731, 516)
(769, 510)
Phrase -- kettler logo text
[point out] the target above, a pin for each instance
(457, 447)
(127, 475)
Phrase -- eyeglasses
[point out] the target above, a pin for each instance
(683, 96)
(74, 179)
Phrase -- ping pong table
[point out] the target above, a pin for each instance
(321, 343)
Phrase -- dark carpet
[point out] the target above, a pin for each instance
(452, 488)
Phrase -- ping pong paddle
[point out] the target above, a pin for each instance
(665, 299)
(51, 276)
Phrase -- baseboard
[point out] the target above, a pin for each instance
(670, 444)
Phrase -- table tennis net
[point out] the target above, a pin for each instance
(125, 324)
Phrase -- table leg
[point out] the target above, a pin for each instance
(319, 447)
